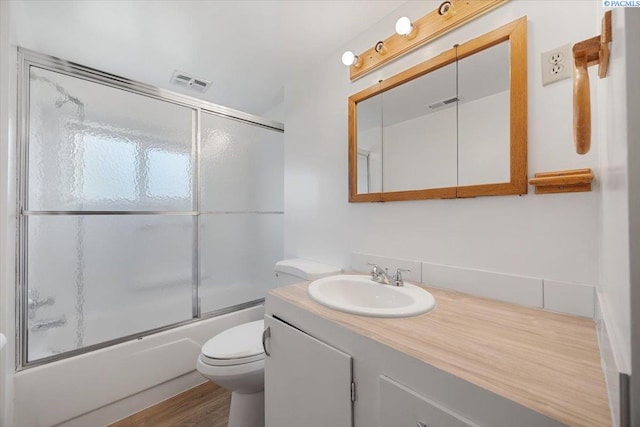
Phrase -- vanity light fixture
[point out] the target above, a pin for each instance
(404, 27)
(446, 10)
(349, 59)
(381, 48)
(410, 35)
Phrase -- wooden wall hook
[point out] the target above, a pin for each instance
(586, 53)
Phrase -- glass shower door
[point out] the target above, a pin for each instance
(109, 219)
(140, 210)
(241, 211)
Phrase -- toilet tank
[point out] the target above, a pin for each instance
(290, 271)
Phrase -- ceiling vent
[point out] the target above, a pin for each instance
(443, 103)
(188, 81)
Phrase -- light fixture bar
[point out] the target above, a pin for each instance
(429, 27)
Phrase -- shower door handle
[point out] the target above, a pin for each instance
(265, 335)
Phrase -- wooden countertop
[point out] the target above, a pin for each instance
(548, 362)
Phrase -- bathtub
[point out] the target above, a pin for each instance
(103, 386)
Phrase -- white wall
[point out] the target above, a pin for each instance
(275, 113)
(632, 17)
(612, 115)
(619, 168)
(545, 236)
(7, 216)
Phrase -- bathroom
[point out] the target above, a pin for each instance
(290, 196)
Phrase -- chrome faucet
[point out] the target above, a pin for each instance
(397, 279)
(382, 276)
(379, 275)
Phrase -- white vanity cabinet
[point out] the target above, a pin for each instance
(314, 360)
(307, 382)
(401, 406)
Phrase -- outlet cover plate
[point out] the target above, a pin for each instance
(557, 64)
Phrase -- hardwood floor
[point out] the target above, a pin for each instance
(204, 405)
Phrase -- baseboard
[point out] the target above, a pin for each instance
(616, 380)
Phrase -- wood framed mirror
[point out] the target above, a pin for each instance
(452, 126)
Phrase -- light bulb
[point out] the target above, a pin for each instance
(404, 27)
(348, 58)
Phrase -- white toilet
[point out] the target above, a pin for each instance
(234, 359)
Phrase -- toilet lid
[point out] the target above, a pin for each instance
(240, 341)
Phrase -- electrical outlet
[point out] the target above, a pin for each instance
(556, 64)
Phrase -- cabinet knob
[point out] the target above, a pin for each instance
(267, 334)
(419, 424)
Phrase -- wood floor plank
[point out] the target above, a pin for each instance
(204, 405)
(126, 422)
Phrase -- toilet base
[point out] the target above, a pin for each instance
(247, 409)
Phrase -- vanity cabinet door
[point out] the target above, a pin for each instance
(403, 407)
(307, 382)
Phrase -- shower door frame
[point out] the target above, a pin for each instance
(28, 58)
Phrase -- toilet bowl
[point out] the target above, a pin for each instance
(234, 359)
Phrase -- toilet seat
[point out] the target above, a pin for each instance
(239, 345)
(230, 362)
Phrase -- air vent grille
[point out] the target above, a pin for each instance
(188, 81)
(443, 103)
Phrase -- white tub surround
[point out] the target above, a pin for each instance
(98, 379)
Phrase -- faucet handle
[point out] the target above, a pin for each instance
(376, 272)
(375, 268)
(397, 279)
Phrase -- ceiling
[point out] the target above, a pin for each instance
(248, 49)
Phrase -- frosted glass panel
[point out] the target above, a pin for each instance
(238, 253)
(93, 147)
(242, 166)
(97, 278)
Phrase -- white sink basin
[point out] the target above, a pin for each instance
(360, 295)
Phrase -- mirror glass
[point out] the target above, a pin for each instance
(370, 145)
(419, 132)
(447, 128)
(483, 117)
(452, 126)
